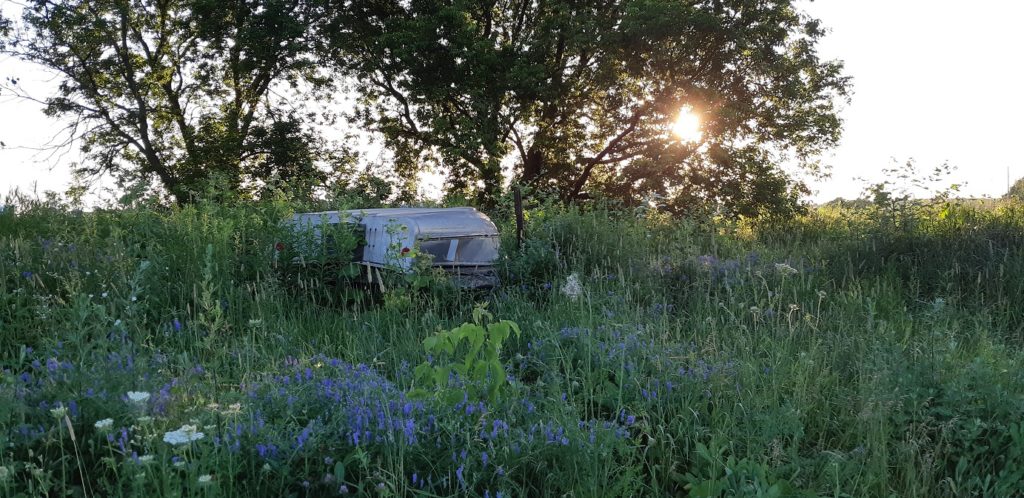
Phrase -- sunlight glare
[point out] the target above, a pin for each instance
(687, 125)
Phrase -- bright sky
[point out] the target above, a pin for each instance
(934, 80)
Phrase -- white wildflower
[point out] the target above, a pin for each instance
(138, 396)
(59, 412)
(205, 478)
(104, 424)
(186, 434)
(572, 287)
(785, 270)
(145, 458)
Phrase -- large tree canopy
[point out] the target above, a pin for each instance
(179, 89)
(579, 96)
(574, 97)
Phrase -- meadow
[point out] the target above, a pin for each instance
(847, 353)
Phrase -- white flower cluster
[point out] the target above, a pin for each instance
(104, 424)
(137, 396)
(572, 287)
(184, 435)
(785, 270)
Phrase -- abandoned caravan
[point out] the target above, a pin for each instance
(462, 241)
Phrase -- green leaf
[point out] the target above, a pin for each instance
(423, 371)
(430, 344)
(339, 472)
(419, 394)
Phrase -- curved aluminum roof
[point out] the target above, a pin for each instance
(424, 222)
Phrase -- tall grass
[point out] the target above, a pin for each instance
(835, 355)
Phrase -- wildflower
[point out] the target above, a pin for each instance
(184, 435)
(145, 458)
(59, 412)
(104, 424)
(572, 288)
(176, 324)
(205, 478)
(785, 270)
(138, 396)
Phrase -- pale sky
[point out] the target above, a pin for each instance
(934, 80)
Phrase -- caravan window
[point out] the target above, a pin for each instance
(461, 250)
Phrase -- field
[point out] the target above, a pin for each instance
(858, 353)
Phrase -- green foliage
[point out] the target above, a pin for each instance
(1016, 191)
(177, 91)
(716, 475)
(467, 358)
(828, 355)
(906, 190)
(582, 96)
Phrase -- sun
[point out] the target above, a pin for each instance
(687, 125)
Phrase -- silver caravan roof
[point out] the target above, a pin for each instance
(423, 222)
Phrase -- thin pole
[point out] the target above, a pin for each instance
(520, 219)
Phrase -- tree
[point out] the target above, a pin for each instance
(5, 27)
(180, 90)
(1016, 191)
(580, 95)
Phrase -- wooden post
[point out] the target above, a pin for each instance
(520, 220)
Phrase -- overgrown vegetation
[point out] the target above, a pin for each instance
(162, 353)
